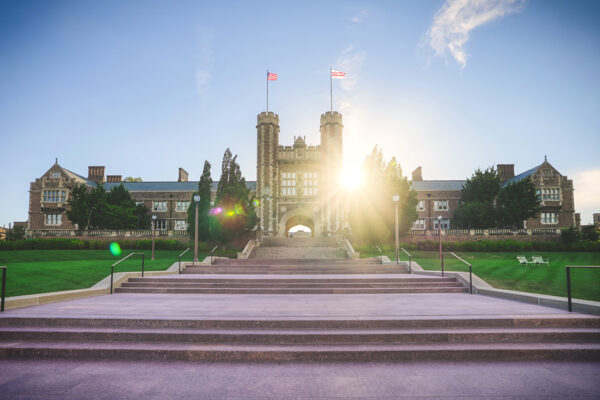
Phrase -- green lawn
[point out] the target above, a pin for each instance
(502, 270)
(39, 271)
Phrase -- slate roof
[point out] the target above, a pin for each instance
(433, 185)
(521, 176)
(89, 182)
(166, 186)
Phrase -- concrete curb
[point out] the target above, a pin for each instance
(100, 288)
(482, 287)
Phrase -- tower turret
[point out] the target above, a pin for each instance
(267, 131)
(331, 168)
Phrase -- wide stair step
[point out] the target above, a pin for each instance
(302, 340)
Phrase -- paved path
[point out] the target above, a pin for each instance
(202, 306)
(50, 380)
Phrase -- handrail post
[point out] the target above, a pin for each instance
(179, 266)
(569, 288)
(112, 271)
(442, 259)
(410, 264)
(3, 289)
(470, 279)
(142, 265)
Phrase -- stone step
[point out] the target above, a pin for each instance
(153, 351)
(292, 261)
(283, 290)
(315, 337)
(172, 283)
(310, 271)
(446, 323)
(294, 280)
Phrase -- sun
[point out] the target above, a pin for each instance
(351, 177)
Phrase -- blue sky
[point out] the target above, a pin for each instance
(146, 87)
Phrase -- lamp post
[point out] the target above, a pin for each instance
(153, 227)
(396, 199)
(196, 200)
(440, 232)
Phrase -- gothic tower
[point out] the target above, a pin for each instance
(331, 168)
(267, 130)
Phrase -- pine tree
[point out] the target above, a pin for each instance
(204, 189)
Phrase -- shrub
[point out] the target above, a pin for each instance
(589, 232)
(569, 235)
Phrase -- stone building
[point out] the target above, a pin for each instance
(441, 197)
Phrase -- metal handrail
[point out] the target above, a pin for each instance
(380, 254)
(212, 252)
(179, 266)
(470, 271)
(409, 260)
(3, 288)
(112, 268)
(568, 267)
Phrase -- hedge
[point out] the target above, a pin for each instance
(78, 244)
(493, 246)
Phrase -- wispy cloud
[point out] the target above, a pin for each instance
(359, 17)
(453, 23)
(350, 61)
(204, 59)
(587, 193)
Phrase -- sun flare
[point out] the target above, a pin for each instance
(351, 177)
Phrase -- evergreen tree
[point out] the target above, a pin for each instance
(517, 202)
(477, 209)
(204, 188)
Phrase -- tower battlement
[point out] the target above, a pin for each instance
(267, 118)
(331, 117)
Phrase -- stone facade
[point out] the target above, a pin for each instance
(299, 184)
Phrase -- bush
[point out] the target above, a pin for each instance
(589, 232)
(569, 235)
(77, 244)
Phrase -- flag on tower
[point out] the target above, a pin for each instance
(271, 76)
(338, 74)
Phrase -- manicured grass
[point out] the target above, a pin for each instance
(503, 271)
(40, 271)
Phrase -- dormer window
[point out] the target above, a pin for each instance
(55, 175)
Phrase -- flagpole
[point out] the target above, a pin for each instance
(331, 90)
(267, 90)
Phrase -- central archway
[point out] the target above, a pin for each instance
(299, 216)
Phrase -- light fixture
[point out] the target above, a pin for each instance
(196, 198)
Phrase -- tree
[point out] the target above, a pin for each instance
(372, 217)
(588, 232)
(132, 179)
(477, 209)
(17, 232)
(204, 189)
(517, 202)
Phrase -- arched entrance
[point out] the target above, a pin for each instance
(300, 221)
(299, 216)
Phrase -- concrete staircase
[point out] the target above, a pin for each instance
(298, 248)
(292, 285)
(448, 339)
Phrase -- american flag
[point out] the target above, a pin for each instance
(337, 74)
(271, 76)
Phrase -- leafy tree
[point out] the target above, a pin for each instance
(589, 232)
(477, 209)
(132, 179)
(372, 217)
(17, 232)
(79, 206)
(517, 202)
(204, 188)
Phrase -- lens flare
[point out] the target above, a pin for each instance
(255, 202)
(115, 249)
(238, 209)
(215, 211)
(230, 213)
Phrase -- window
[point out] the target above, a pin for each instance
(310, 184)
(440, 205)
(182, 206)
(55, 196)
(53, 219)
(55, 175)
(288, 183)
(445, 223)
(419, 224)
(160, 224)
(180, 225)
(550, 194)
(421, 205)
(160, 206)
(549, 218)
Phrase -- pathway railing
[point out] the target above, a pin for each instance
(568, 267)
(409, 260)
(3, 288)
(212, 252)
(112, 268)
(470, 272)
(380, 255)
(179, 266)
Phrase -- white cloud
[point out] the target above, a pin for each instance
(204, 59)
(587, 193)
(350, 61)
(202, 78)
(358, 18)
(453, 23)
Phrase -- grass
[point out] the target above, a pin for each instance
(40, 271)
(502, 270)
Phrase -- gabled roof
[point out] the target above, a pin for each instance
(521, 176)
(166, 186)
(88, 182)
(437, 185)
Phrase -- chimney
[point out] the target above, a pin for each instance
(96, 174)
(506, 171)
(183, 175)
(113, 178)
(417, 175)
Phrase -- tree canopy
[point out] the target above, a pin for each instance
(372, 215)
(204, 188)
